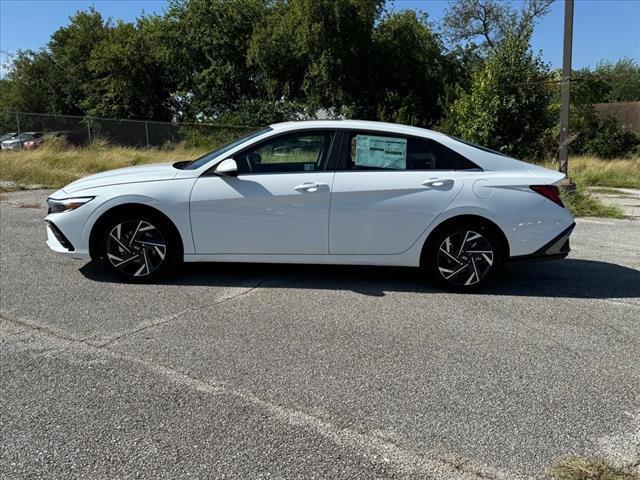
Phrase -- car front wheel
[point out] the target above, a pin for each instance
(139, 248)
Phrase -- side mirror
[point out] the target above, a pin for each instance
(227, 168)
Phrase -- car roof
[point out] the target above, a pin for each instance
(357, 124)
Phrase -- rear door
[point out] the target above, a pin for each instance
(388, 188)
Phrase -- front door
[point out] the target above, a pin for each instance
(278, 203)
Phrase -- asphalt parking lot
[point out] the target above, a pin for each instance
(254, 371)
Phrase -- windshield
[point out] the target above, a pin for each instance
(198, 162)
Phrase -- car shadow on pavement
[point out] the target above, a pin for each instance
(567, 278)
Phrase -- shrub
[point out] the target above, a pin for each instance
(610, 140)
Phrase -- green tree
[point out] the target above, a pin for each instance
(126, 79)
(205, 45)
(406, 88)
(70, 49)
(32, 84)
(507, 105)
(343, 56)
(316, 51)
(623, 79)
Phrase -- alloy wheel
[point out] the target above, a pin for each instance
(136, 248)
(465, 258)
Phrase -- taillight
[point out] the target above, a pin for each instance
(550, 192)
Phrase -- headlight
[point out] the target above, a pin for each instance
(66, 204)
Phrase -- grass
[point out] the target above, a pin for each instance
(582, 204)
(578, 468)
(595, 172)
(53, 166)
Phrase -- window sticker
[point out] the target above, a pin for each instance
(381, 152)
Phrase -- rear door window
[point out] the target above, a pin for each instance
(375, 151)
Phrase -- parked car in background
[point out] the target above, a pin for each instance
(17, 142)
(71, 138)
(7, 136)
(332, 192)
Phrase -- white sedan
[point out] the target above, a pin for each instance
(330, 192)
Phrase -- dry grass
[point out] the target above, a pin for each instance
(54, 166)
(592, 171)
(578, 468)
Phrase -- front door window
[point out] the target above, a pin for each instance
(296, 152)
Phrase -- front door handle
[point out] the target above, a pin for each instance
(437, 183)
(310, 187)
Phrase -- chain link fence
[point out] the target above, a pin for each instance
(84, 131)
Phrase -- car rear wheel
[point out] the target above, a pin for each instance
(139, 248)
(464, 257)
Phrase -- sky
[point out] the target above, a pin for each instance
(603, 29)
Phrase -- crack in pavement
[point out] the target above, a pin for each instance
(93, 341)
(405, 459)
(162, 321)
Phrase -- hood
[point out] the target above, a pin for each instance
(142, 173)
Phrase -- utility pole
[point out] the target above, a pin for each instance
(563, 152)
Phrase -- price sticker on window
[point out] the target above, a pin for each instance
(381, 152)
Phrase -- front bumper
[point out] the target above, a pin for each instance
(65, 233)
(56, 240)
(557, 248)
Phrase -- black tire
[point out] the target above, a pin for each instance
(139, 247)
(464, 256)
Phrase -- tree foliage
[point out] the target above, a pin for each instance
(33, 84)
(206, 44)
(70, 49)
(316, 50)
(608, 82)
(126, 79)
(408, 86)
(507, 105)
(343, 56)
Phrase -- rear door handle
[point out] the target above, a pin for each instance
(310, 187)
(437, 183)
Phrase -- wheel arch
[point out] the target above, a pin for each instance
(130, 208)
(466, 219)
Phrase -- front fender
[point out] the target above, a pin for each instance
(169, 197)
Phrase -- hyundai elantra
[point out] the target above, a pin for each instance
(320, 192)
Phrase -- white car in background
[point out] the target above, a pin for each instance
(319, 192)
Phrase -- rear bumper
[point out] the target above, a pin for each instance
(556, 249)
